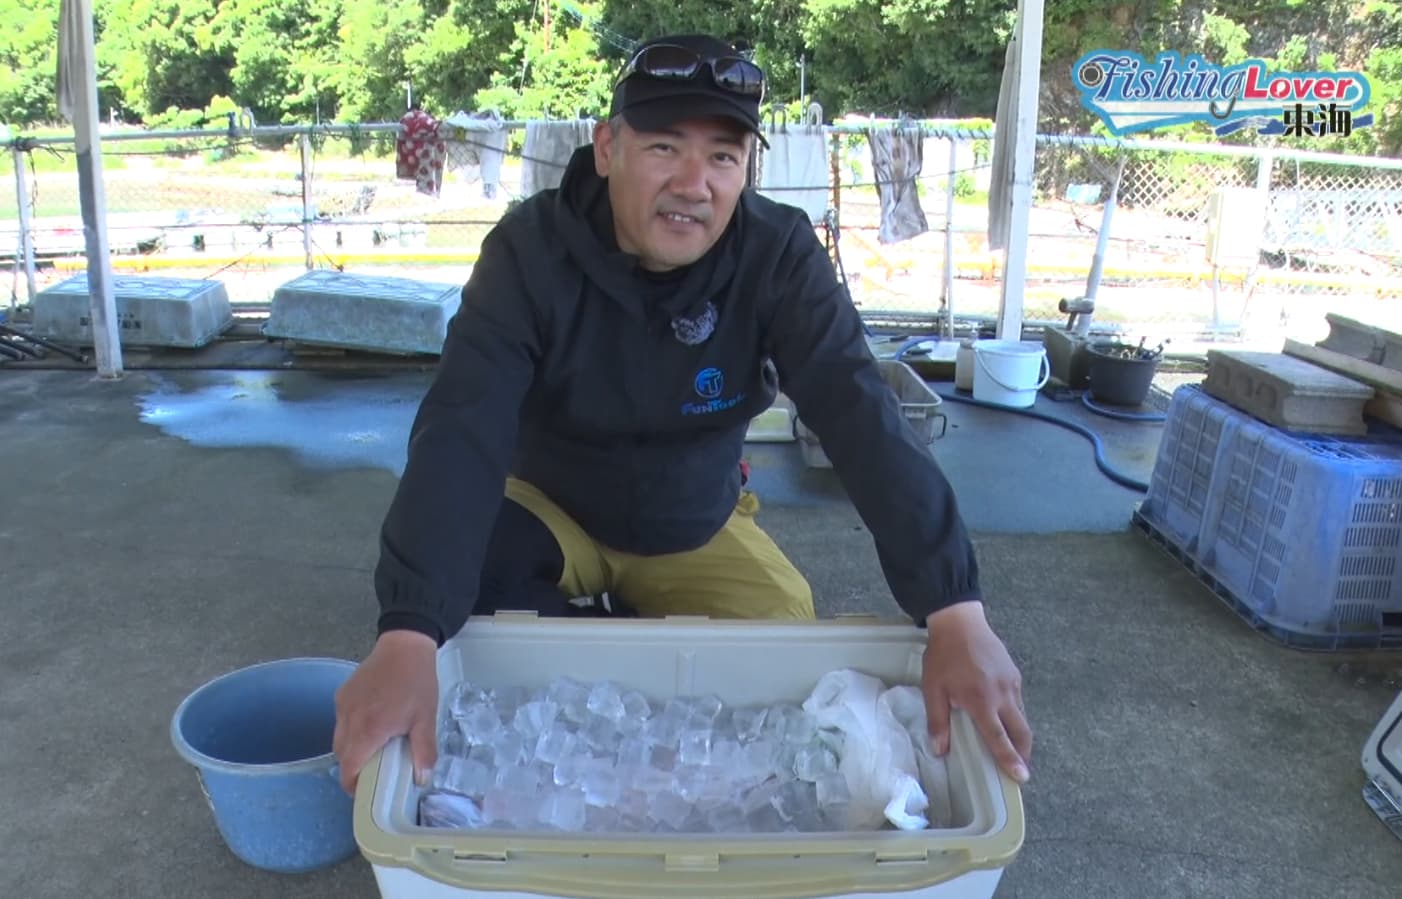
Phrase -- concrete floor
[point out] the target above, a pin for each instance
(165, 529)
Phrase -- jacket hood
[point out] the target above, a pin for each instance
(584, 220)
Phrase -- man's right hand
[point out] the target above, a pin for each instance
(392, 693)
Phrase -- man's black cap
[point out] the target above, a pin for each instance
(652, 104)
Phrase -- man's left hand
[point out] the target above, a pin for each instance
(967, 667)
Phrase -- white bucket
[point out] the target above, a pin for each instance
(1009, 373)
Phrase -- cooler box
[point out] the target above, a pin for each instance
(1382, 763)
(742, 662)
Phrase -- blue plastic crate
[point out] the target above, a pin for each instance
(1300, 533)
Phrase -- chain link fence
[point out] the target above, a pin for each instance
(258, 207)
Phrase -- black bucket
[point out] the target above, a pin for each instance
(1120, 374)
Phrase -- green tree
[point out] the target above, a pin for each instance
(155, 57)
(28, 60)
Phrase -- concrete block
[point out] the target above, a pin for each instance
(1287, 392)
(1361, 340)
(401, 316)
(151, 311)
(1068, 357)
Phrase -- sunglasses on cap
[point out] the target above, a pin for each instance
(671, 62)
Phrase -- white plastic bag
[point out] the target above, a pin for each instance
(908, 705)
(878, 759)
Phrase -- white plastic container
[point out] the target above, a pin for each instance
(919, 405)
(1382, 763)
(742, 662)
(1009, 372)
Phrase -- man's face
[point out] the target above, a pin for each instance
(673, 192)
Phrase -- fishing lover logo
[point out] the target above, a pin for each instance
(1130, 93)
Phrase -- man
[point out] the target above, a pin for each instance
(615, 339)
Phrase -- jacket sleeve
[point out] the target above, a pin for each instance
(819, 347)
(439, 523)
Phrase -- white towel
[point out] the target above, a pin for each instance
(794, 170)
(72, 58)
(549, 146)
(896, 157)
(482, 144)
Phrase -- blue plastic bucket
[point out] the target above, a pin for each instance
(260, 741)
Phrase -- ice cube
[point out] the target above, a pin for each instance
(555, 743)
(479, 722)
(453, 742)
(727, 817)
(606, 701)
(727, 754)
(748, 722)
(507, 808)
(569, 769)
(765, 819)
(759, 758)
(702, 783)
(800, 728)
(636, 706)
(438, 809)
(634, 752)
(601, 735)
(834, 802)
(563, 808)
(813, 762)
(484, 754)
(533, 717)
(664, 758)
(664, 729)
(508, 748)
(464, 776)
(796, 800)
(506, 700)
(601, 786)
(572, 698)
(650, 780)
(632, 804)
(601, 819)
(669, 808)
(695, 747)
(519, 778)
(708, 706)
(465, 694)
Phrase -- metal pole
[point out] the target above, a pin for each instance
(1102, 239)
(306, 147)
(947, 288)
(26, 237)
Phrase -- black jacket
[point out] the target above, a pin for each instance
(581, 373)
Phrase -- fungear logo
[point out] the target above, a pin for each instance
(1130, 94)
(709, 383)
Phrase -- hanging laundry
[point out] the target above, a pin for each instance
(794, 169)
(549, 146)
(420, 151)
(1000, 202)
(896, 158)
(478, 144)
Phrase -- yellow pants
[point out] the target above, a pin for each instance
(739, 573)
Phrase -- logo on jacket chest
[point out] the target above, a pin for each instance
(709, 385)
